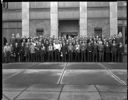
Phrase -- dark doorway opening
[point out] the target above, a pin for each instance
(72, 34)
(68, 28)
(98, 32)
(39, 32)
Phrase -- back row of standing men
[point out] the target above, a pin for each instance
(64, 49)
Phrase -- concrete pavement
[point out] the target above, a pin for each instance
(64, 81)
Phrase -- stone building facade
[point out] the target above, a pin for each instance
(70, 18)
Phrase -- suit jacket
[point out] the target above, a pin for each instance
(17, 50)
(114, 48)
(64, 49)
(120, 49)
(107, 49)
(89, 48)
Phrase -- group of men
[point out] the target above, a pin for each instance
(63, 49)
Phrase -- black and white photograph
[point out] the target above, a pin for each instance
(64, 50)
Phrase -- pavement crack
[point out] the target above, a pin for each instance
(18, 73)
(6, 97)
(20, 93)
(98, 92)
(113, 75)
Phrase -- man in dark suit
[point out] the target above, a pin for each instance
(46, 44)
(43, 52)
(50, 52)
(95, 51)
(77, 52)
(70, 52)
(89, 52)
(114, 51)
(22, 52)
(83, 52)
(17, 51)
(37, 52)
(107, 52)
(27, 52)
(101, 52)
(120, 52)
(64, 52)
(4, 40)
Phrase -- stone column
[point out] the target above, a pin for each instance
(54, 19)
(25, 19)
(83, 19)
(113, 18)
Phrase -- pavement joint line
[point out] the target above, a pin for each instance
(46, 69)
(62, 74)
(60, 92)
(113, 75)
(62, 77)
(6, 97)
(98, 92)
(18, 63)
(20, 93)
(18, 73)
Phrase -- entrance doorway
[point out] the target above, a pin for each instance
(39, 31)
(72, 34)
(98, 31)
(68, 27)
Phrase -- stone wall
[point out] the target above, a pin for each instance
(103, 23)
(11, 27)
(37, 24)
(7, 32)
